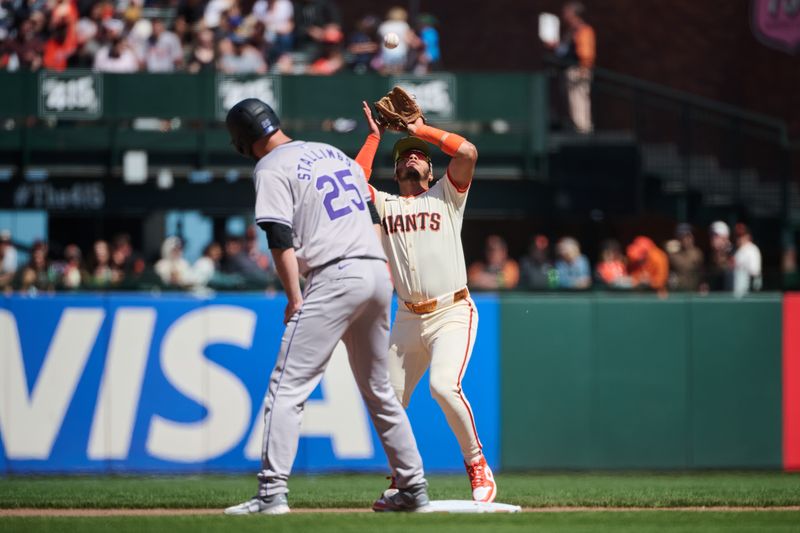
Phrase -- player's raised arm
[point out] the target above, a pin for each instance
(464, 154)
(366, 155)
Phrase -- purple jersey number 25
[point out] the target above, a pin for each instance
(336, 187)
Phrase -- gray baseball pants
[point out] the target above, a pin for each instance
(348, 300)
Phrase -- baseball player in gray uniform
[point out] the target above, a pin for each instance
(312, 201)
(436, 319)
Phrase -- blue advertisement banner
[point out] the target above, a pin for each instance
(175, 383)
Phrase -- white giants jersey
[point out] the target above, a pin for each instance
(422, 237)
(322, 195)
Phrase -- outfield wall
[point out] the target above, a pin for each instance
(174, 383)
(637, 382)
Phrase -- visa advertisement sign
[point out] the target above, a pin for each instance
(134, 383)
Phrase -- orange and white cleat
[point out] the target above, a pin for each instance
(484, 489)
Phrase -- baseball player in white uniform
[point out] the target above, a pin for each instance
(312, 201)
(436, 319)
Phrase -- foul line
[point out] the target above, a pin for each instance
(32, 512)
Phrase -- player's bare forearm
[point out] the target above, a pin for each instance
(464, 154)
(289, 274)
(462, 165)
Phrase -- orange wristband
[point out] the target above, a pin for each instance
(448, 142)
(367, 154)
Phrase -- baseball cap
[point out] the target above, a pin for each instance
(720, 228)
(410, 143)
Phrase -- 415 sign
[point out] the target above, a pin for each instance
(70, 94)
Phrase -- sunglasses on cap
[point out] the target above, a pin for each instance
(419, 153)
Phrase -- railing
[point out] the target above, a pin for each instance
(741, 162)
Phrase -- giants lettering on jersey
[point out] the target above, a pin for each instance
(415, 222)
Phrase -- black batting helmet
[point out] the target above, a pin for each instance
(249, 121)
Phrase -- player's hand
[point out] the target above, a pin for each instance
(292, 307)
(412, 126)
(373, 126)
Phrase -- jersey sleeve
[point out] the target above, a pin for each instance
(274, 198)
(453, 195)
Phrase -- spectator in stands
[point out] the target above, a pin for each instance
(128, 265)
(611, 270)
(58, 48)
(364, 45)
(251, 248)
(212, 16)
(255, 34)
(685, 260)
(72, 275)
(203, 57)
(25, 52)
(208, 266)
(498, 271)
(86, 45)
(101, 272)
(9, 261)
(311, 17)
(191, 11)
(572, 266)
(720, 271)
(163, 49)
(648, 265)
(394, 60)
(278, 19)
(746, 263)
(577, 50)
(332, 59)
(38, 276)
(116, 56)
(536, 271)
(238, 57)
(238, 261)
(172, 268)
(430, 59)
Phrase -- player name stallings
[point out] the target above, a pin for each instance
(418, 221)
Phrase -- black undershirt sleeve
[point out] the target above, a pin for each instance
(278, 235)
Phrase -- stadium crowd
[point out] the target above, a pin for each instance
(229, 36)
(237, 263)
(734, 264)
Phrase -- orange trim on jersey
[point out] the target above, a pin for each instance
(371, 192)
(459, 189)
(461, 374)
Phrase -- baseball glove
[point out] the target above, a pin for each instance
(397, 110)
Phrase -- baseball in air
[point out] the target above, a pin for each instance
(391, 40)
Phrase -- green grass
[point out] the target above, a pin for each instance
(358, 491)
(529, 490)
(540, 522)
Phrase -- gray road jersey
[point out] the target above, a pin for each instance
(322, 195)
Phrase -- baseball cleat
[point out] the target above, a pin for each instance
(412, 499)
(275, 504)
(484, 489)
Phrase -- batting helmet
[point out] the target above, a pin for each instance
(249, 121)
